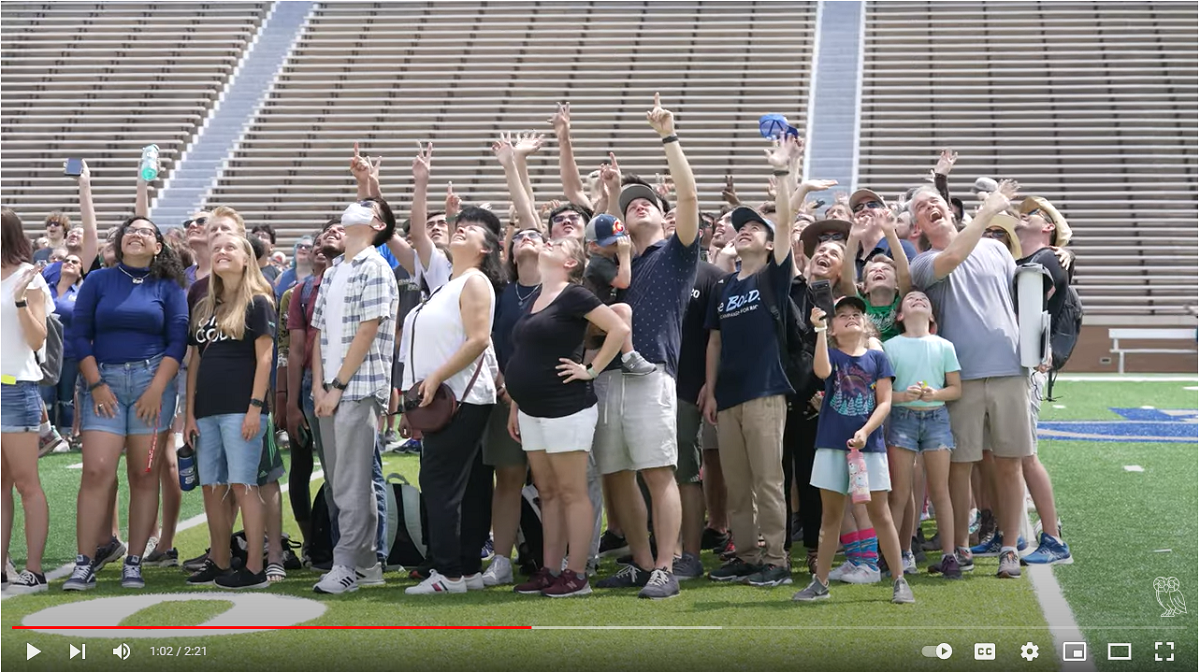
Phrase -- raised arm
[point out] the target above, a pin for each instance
(687, 205)
(849, 276)
(507, 155)
(610, 181)
(903, 277)
(417, 233)
(941, 173)
(807, 187)
(568, 170)
(87, 217)
(141, 207)
(526, 144)
(366, 174)
(785, 157)
(821, 365)
(964, 243)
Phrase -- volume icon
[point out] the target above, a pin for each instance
(122, 652)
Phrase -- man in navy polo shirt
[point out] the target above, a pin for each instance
(636, 431)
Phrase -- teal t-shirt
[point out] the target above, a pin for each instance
(928, 359)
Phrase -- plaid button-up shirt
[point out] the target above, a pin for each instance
(371, 294)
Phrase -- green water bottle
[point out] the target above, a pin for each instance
(149, 168)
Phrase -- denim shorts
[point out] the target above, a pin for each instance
(128, 382)
(20, 407)
(223, 456)
(920, 430)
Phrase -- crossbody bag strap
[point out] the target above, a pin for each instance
(412, 338)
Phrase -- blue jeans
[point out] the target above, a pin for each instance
(128, 382)
(60, 398)
(20, 407)
(377, 482)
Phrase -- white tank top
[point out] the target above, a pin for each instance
(436, 328)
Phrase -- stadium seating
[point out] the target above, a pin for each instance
(390, 75)
(1092, 106)
(98, 81)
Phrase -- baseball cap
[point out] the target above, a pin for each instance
(864, 196)
(849, 300)
(742, 216)
(604, 230)
(632, 192)
(984, 184)
(776, 125)
(1062, 232)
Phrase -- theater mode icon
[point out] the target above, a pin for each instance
(1120, 651)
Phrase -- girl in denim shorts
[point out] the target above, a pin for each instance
(129, 332)
(926, 378)
(231, 339)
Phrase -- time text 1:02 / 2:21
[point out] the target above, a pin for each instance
(179, 651)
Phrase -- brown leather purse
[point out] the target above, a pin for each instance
(439, 413)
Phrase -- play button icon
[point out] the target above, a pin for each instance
(31, 651)
(944, 651)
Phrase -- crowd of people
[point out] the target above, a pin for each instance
(700, 381)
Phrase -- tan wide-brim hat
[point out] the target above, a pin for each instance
(1062, 232)
(811, 236)
(1009, 224)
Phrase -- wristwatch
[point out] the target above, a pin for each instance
(591, 371)
(21, 303)
(257, 403)
(336, 385)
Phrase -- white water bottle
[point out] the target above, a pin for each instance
(149, 167)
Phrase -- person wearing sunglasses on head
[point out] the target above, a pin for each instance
(129, 331)
(197, 240)
(301, 266)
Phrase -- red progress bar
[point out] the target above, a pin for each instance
(269, 627)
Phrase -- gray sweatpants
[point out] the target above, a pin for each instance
(348, 442)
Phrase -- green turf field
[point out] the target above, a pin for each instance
(1114, 519)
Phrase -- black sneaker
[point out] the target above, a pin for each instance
(630, 576)
(711, 539)
(613, 545)
(207, 575)
(242, 579)
(197, 563)
(661, 585)
(769, 576)
(131, 573)
(162, 558)
(26, 582)
(948, 567)
(110, 552)
(734, 571)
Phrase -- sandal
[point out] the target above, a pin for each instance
(275, 572)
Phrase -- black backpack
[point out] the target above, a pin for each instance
(529, 534)
(320, 544)
(791, 332)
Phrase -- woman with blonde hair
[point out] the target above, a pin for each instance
(231, 341)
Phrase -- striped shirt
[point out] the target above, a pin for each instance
(370, 294)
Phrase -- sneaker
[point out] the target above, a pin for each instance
(613, 545)
(815, 591)
(52, 442)
(437, 584)
(27, 582)
(1050, 552)
(948, 567)
(1010, 566)
(687, 567)
(661, 585)
(10, 571)
(568, 585)
(242, 579)
(161, 558)
(630, 576)
(593, 566)
(340, 579)
(634, 364)
(1037, 529)
(67, 446)
(934, 543)
(83, 577)
(541, 580)
(151, 546)
(842, 570)
(197, 563)
(410, 447)
(488, 550)
(392, 441)
(966, 561)
(811, 561)
(110, 552)
(711, 539)
(910, 563)
(797, 528)
(423, 570)
(918, 555)
(207, 575)
(370, 576)
(734, 571)
(769, 576)
(727, 552)
(131, 573)
(499, 573)
(902, 593)
(474, 581)
(991, 548)
(863, 574)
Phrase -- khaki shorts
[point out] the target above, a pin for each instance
(636, 429)
(993, 413)
(499, 449)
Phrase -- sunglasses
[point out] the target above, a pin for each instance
(306, 248)
(1039, 213)
(199, 221)
(831, 235)
(996, 234)
(527, 235)
(564, 217)
(867, 205)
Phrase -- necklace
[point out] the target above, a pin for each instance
(136, 279)
(522, 299)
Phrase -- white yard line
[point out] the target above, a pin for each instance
(1059, 617)
(195, 521)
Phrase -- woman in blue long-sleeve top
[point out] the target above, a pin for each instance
(129, 332)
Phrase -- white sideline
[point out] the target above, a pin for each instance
(1059, 617)
(195, 521)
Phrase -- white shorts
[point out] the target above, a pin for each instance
(568, 434)
(830, 471)
(637, 422)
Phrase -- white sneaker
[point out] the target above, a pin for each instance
(340, 579)
(910, 563)
(474, 581)
(151, 544)
(862, 574)
(499, 573)
(845, 568)
(371, 576)
(437, 584)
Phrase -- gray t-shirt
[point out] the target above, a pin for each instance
(974, 309)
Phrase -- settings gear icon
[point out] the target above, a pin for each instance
(1029, 651)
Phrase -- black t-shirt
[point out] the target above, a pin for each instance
(1049, 261)
(539, 340)
(225, 379)
(693, 347)
(513, 302)
(599, 276)
(271, 273)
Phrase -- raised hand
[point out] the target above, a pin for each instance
(453, 202)
(610, 174)
(664, 186)
(359, 166)
(527, 143)
(562, 120)
(503, 149)
(772, 187)
(786, 153)
(817, 185)
(946, 162)
(843, 198)
(661, 120)
(729, 194)
(817, 318)
(423, 161)
(999, 200)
